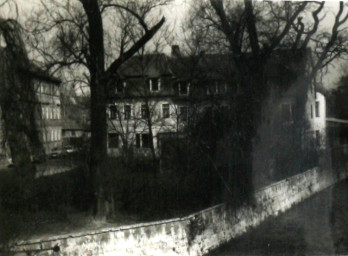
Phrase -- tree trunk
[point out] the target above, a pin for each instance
(96, 63)
(247, 109)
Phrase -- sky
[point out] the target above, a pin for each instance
(175, 14)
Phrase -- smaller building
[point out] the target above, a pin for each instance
(48, 116)
(74, 133)
(316, 116)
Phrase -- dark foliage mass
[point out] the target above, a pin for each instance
(337, 100)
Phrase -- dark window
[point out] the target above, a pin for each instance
(145, 139)
(165, 110)
(183, 88)
(127, 112)
(113, 140)
(154, 84)
(216, 87)
(120, 86)
(286, 112)
(144, 111)
(113, 112)
(317, 137)
(183, 112)
(311, 111)
(137, 140)
(222, 87)
(73, 133)
(317, 109)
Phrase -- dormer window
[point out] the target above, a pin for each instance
(120, 87)
(154, 84)
(183, 88)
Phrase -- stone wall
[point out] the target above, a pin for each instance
(193, 235)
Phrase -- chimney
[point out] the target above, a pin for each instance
(175, 51)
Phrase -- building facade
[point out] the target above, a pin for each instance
(154, 99)
(49, 119)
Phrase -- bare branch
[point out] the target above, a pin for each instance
(138, 45)
(251, 26)
(137, 16)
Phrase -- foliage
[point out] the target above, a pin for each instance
(254, 35)
(338, 98)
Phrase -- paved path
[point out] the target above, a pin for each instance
(318, 226)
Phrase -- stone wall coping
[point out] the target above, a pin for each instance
(259, 190)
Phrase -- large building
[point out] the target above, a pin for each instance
(155, 96)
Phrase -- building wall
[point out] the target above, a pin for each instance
(193, 235)
(316, 113)
(180, 111)
(136, 124)
(49, 117)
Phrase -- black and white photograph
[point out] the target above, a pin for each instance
(173, 127)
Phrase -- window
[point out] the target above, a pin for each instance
(113, 140)
(113, 112)
(58, 112)
(183, 88)
(47, 113)
(286, 112)
(311, 111)
(137, 140)
(154, 84)
(127, 112)
(142, 140)
(317, 137)
(216, 87)
(73, 133)
(183, 112)
(165, 110)
(221, 87)
(317, 109)
(120, 86)
(145, 140)
(144, 111)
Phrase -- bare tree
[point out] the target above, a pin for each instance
(18, 99)
(77, 30)
(251, 34)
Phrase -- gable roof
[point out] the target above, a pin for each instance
(32, 70)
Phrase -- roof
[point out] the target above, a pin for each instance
(203, 67)
(150, 65)
(29, 68)
(73, 125)
(283, 69)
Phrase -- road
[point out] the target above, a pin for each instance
(317, 226)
